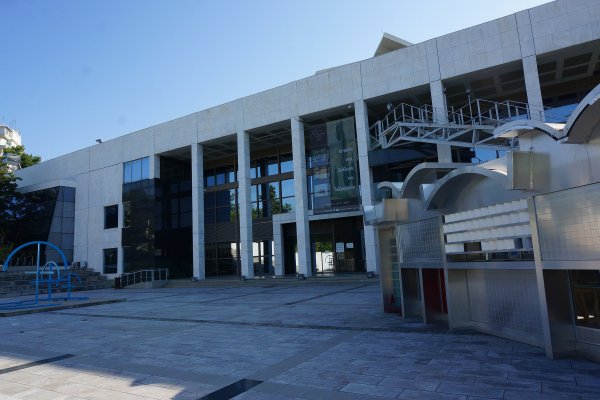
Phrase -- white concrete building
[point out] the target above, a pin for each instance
(465, 134)
(9, 138)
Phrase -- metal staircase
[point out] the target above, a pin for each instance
(468, 126)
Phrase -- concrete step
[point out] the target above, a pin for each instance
(275, 281)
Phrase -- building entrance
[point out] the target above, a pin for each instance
(290, 249)
(323, 257)
(337, 246)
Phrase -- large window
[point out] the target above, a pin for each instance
(272, 198)
(220, 206)
(110, 261)
(136, 170)
(221, 259)
(219, 176)
(111, 216)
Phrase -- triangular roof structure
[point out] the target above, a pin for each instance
(390, 43)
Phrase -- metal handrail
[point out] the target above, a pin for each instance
(144, 275)
(474, 121)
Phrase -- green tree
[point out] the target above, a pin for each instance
(10, 201)
(14, 207)
(27, 160)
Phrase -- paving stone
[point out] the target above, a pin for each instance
(420, 395)
(570, 389)
(371, 390)
(510, 394)
(510, 384)
(543, 377)
(187, 343)
(470, 390)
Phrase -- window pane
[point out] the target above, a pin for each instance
(185, 204)
(136, 170)
(210, 180)
(127, 172)
(209, 216)
(274, 190)
(272, 167)
(220, 178)
(223, 214)
(145, 168)
(289, 204)
(253, 190)
(287, 164)
(223, 198)
(232, 197)
(209, 200)
(287, 188)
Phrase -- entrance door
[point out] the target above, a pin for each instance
(290, 249)
(323, 256)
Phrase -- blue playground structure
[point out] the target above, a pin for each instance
(51, 274)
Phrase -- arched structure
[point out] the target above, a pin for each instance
(38, 243)
(457, 181)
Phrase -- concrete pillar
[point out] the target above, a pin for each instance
(440, 116)
(278, 250)
(366, 183)
(530, 70)
(302, 226)
(198, 211)
(532, 86)
(245, 217)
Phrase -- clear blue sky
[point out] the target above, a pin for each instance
(73, 71)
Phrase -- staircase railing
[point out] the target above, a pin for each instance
(470, 125)
(144, 275)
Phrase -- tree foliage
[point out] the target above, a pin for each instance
(14, 207)
(27, 160)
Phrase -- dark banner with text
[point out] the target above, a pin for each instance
(335, 166)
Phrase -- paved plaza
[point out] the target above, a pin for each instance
(268, 342)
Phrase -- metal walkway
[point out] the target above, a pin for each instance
(468, 126)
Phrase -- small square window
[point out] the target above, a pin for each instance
(111, 216)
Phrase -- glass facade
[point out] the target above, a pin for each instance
(49, 216)
(157, 221)
(221, 229)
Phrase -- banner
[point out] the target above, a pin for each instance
(335, 166)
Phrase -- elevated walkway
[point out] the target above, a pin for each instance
(472, 125)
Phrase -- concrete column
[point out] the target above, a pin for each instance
(278, 250)
(440, 116)
(532, 85)
(302, 226)
(198, 211)
(245, 217)
(530, 70)
(366, 183)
